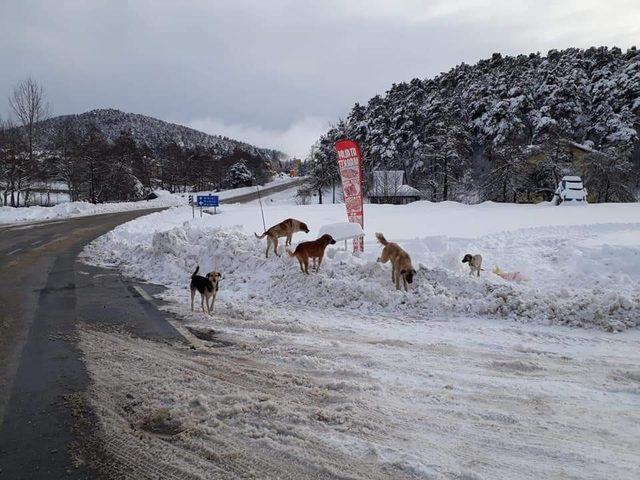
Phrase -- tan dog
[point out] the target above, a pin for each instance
(475, 263)
(285, 228)
(400, 262)
(314, 249)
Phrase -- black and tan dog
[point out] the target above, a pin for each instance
(207, 287)
(314, 250)
(400, 262)
(285, 228)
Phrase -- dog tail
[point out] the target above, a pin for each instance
(260, 236)
(381, 238)
(196, 272)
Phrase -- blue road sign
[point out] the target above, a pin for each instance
(208, 201)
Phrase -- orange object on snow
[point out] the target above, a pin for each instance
(511, 276)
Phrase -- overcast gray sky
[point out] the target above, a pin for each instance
(274, 73)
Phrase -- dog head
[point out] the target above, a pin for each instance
(327, 239)
(303, 227)
(467, 258)
(214, 277)
(408, 274)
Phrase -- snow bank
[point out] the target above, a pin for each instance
(78, 209)
(577, 275)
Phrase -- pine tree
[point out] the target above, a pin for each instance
(238, 176)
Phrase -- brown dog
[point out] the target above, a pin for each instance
(285, 228)
(314, 249)
(400, 262)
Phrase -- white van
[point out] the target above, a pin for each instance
(570, 189)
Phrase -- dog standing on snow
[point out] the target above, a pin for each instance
(400, 262)
(475, 263)
(314, 250)
(207, 287)
(285, 228)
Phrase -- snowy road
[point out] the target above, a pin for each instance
(312, 394)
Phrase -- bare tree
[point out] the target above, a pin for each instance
(28, 103)
(11, 163)
(67, 141)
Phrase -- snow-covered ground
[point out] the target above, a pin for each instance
(322, 393)
(336, 374)
(79, 209)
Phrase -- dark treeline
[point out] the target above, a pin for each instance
(506, 129)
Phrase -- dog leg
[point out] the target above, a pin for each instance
(202, 298)
(397, 281)
(193, 294)
(319, 261)
(404, 282)
(275, 247)
(301, 265)
(288, 242)
(266, 253)
(306, 266)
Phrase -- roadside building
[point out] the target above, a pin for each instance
(389, 186)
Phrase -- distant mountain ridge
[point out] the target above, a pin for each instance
(152, 132)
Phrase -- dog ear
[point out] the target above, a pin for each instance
(402, 272)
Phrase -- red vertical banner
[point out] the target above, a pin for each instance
(350, 166)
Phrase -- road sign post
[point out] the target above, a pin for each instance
(208, 201)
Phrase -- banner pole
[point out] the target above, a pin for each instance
(264, 225)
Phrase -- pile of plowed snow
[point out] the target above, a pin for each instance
(442, 287)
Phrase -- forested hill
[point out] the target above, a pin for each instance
(506, 128)
(150, 132)
(109, 155)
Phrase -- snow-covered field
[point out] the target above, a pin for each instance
(336, 374)
(80, 209)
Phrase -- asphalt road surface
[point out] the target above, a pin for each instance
(45, 292)
(46, 426)
(264, 192)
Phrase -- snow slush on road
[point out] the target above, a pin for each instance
(338, 374)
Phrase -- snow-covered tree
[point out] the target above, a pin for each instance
(238, 176)
(499, 129)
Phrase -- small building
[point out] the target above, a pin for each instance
(389, 186)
